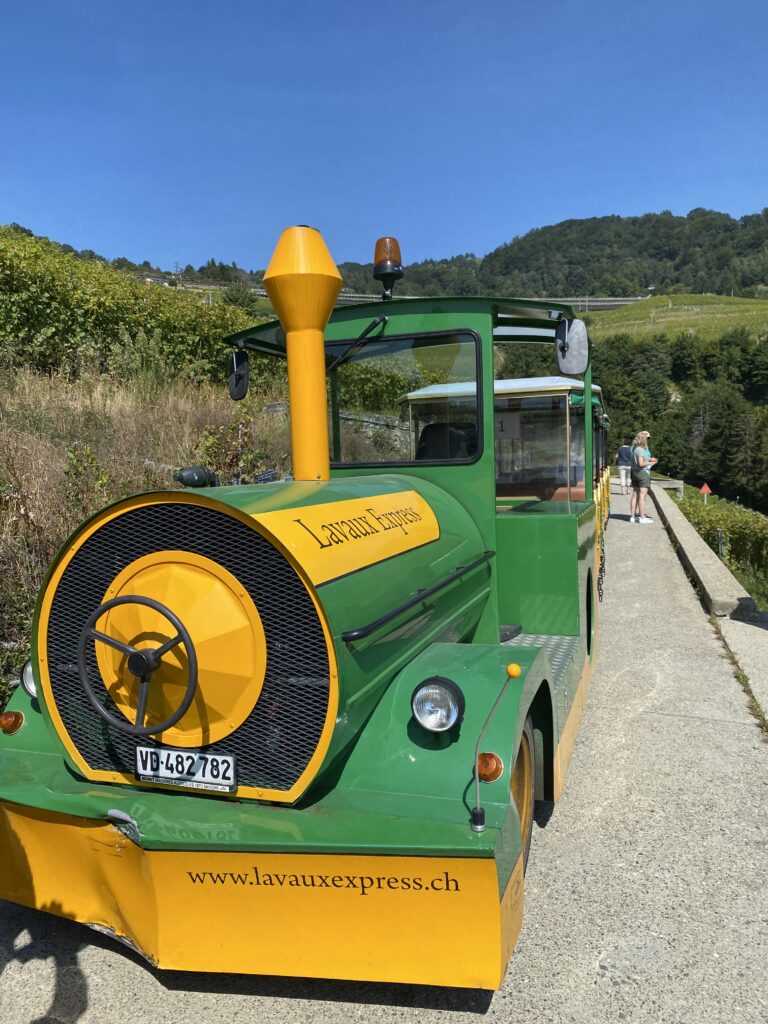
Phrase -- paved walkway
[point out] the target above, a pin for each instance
(646, 898)
(646, 894)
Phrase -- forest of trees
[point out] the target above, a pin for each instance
(704, 401)
(705, 251)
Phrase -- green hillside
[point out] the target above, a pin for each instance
(709, 316)
(107, 382)
(659, 253)
(692, 369)
(59, 311)
(705, 251)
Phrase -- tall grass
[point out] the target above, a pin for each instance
(70, 446)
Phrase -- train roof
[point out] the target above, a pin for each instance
(520, 385)
(532, 320)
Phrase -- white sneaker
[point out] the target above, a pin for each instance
(644, 519)
(633, 519)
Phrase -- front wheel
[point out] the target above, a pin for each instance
(521, 787)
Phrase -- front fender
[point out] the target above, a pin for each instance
(399, 767)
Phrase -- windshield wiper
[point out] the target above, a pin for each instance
(357, 343)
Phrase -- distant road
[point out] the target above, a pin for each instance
(581, 303)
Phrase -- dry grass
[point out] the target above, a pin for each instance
(69, 447)
(126, 424)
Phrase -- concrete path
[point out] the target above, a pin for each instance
(646, 893)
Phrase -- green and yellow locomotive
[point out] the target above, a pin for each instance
(298, 727)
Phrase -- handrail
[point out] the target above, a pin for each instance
(364, 631)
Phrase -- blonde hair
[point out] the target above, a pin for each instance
(640, 439)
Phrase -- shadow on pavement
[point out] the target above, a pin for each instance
(542, 812)
(745, 612)
(421, 997)
(28, 935)
(53, 937)
(70, 996)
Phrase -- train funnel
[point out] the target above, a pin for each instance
(302, 282)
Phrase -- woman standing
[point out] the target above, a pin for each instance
(641, 478)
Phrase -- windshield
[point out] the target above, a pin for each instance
(406, 399)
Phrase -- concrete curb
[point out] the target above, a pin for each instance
(743, 628)
(720, 590)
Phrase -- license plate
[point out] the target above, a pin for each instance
(188, 768)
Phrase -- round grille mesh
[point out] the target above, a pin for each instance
(276, 742)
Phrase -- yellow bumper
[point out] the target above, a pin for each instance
(420, 920)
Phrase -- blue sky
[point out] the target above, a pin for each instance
(180, 131)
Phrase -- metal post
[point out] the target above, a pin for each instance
(335, 417)
(568, 467)
(589, 490)
(240, 446)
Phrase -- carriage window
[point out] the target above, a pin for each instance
(406, 399)
(531, 445)
(530, 441)
(578, 452)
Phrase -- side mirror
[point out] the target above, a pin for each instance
(572, 347)
(238, 375)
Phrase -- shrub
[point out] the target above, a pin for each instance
(744, 533)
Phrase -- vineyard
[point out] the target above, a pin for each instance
(709, 317)
(59, 313)
(739, 532)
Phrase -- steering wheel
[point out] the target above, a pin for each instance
(141, 663)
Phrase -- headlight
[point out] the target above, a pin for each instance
(438, 704)
(28, 680)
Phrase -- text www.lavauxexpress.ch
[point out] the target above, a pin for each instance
(363, 884)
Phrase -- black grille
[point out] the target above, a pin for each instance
(275, 743)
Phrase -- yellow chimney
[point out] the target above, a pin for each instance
(303, 282)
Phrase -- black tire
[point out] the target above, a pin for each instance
(522, 784)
